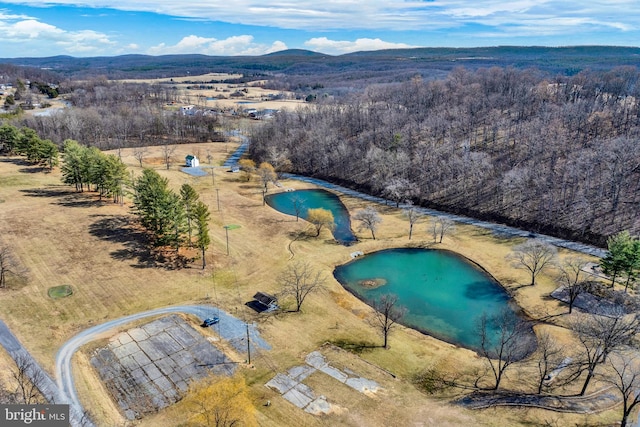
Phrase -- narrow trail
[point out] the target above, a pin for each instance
(230, 328)
(599, 401)
(496, 228)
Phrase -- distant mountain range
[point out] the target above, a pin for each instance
(381, 64)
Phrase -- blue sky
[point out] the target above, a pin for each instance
(255, 27)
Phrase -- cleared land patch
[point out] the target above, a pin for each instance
(290, 385)
(148, 368)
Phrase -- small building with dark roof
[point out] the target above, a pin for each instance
(263, 302)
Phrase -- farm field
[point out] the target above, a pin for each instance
(215, 93)
(63, 237)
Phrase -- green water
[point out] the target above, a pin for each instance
(314, 199)
(444, 293)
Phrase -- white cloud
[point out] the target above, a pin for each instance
(6, 16)
(324, 45)
(235, 45)
(383, 14)
(277, 46)
(433, 22)
(39, 36)
(32, 29)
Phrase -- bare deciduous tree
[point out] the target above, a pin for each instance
(413, 216)
(167, 152)
(29, 380)
(626, 379)
(369, 220)
(399, 189)
(441, 226)
(298, 205)
(600, 336)
(534, 256)
(549, 358)
(504, 339)
(267, 174)
(299, 280)
(140, 153)
(386, 315)
(571, 270)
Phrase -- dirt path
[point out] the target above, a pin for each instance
(599, 401)
(497, 228)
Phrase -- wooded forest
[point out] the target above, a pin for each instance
(110, 115)
(552, 154)
(536, 148)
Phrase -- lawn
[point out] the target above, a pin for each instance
(65, 237)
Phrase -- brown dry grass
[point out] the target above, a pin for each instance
(65, 237)
(253, 92)
(203, 78)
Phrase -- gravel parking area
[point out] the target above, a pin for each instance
(149, 367)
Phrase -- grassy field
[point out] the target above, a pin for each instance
(65, 237)
(254, 95)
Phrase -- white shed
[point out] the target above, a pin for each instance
(191, 161)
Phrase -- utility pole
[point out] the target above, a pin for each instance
(226, 230)
(248, 346)
(218, 198)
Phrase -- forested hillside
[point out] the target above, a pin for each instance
(558, 155)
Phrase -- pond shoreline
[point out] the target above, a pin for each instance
(445, 293)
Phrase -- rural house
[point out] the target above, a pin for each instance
(191, 161)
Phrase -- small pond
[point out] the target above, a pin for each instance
(285, 202)
(444, 293)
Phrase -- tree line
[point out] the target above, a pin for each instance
(112, 115)
(549, 153)
(26, 142)
(86, 166)
(172, 220)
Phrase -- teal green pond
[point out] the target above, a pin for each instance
(444, 293)
(286, 202)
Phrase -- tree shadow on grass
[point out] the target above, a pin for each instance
(65, 196)
(125, 231)
(354, 346)
(21, 161)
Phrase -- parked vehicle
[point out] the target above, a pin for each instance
(210, 321)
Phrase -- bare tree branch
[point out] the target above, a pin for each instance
(386, 315)
(299, 280)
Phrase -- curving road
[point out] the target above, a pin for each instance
(229, 328)
(232, 329)
(49, 389)
(497, 228)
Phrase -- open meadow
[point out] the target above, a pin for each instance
(63, 237)
(211, 91)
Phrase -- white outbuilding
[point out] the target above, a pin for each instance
(191, 161)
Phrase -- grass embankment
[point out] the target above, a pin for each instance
(64, 237)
